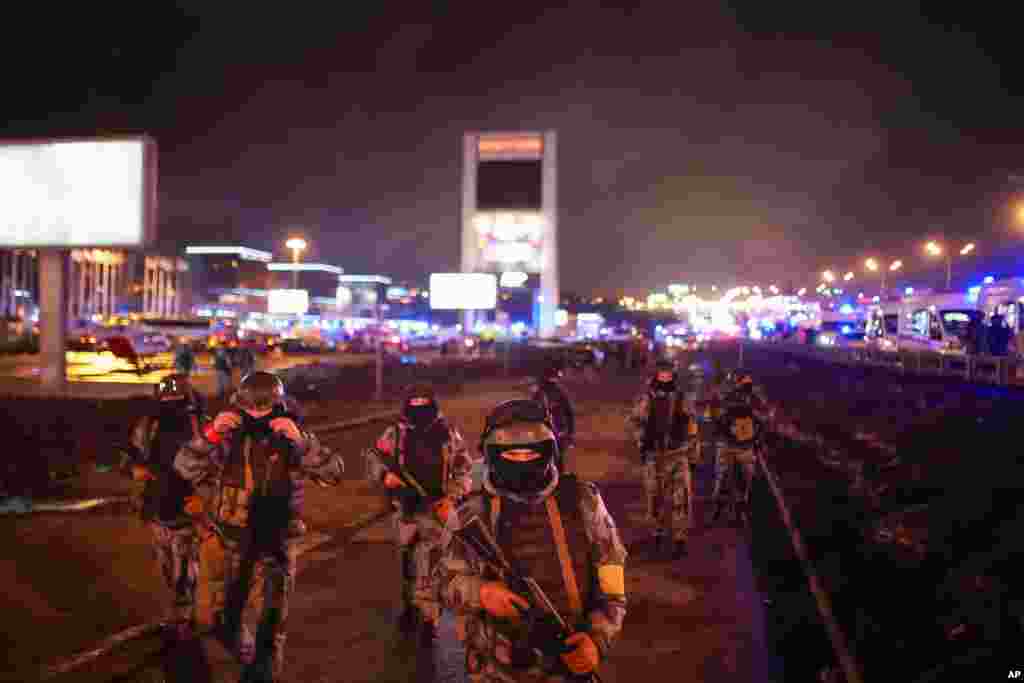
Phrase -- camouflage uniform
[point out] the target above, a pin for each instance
(553, 397)
(153, 444)
(739, 431)
(247, 570)
(667, 454)
(521, 528)
(446, 470)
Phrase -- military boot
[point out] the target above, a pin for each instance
(661, 541)
(427, 633)
(408, 621)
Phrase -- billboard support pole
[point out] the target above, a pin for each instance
(53, 319)
(379, 371)
(508, 353)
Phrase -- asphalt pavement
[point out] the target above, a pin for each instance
(699, 618)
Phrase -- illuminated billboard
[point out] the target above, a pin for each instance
(463, 291)
(288, 301)
(77, 193)
(509, 240)
(514, 279)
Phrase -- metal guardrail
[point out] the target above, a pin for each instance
(1000, 370)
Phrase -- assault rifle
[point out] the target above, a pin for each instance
(543, 639)
(412, 496)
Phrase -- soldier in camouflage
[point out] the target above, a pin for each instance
(423, 463)
(244, 466)
(149, 460)
(558, 531)
(548, 391)
(662, 429)
(740, 429)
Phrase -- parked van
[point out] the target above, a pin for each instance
(936, 322)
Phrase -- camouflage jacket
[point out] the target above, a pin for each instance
(387, 455)
(202, 460)
(152, 445)
(636, 422)
(461, 572)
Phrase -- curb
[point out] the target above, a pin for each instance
(28, 507)
(835, 632)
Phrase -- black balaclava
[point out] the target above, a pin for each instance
(660, 387)
(175, 415)
(420, 407)
(524, 477)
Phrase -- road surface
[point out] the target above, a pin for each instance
(700, 618)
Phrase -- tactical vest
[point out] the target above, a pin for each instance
(524, 533)
(164, 498)
(254, 490)
(663, 430)
(739, 427)
(423, 456)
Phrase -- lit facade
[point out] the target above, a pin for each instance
(359, 295)
(230, 278)
(510, 213)
(101, 282)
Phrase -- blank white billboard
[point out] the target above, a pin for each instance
(463, 291)
(77, 193)
(288, 301)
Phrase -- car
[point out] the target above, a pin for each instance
(84, 343)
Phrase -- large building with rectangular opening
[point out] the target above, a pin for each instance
(510, 216)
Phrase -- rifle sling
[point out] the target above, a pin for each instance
(565, 562)
(568, 574)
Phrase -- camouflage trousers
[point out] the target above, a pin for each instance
(488, 657)
(734, 473)
(244, 601)
(668, 487)
(175, 552)
(418, 538)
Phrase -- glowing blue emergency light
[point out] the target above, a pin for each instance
(846, 309)
(989, 280)
(847, 329)
(908, 291)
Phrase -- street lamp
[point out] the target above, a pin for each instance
(297, 245)
(848, 277)
(828, 276)
(935, 249)
(873, 265)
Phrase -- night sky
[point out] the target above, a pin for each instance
(695, 145)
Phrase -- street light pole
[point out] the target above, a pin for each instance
(379, 371)
(949, 269)
(296, 244)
